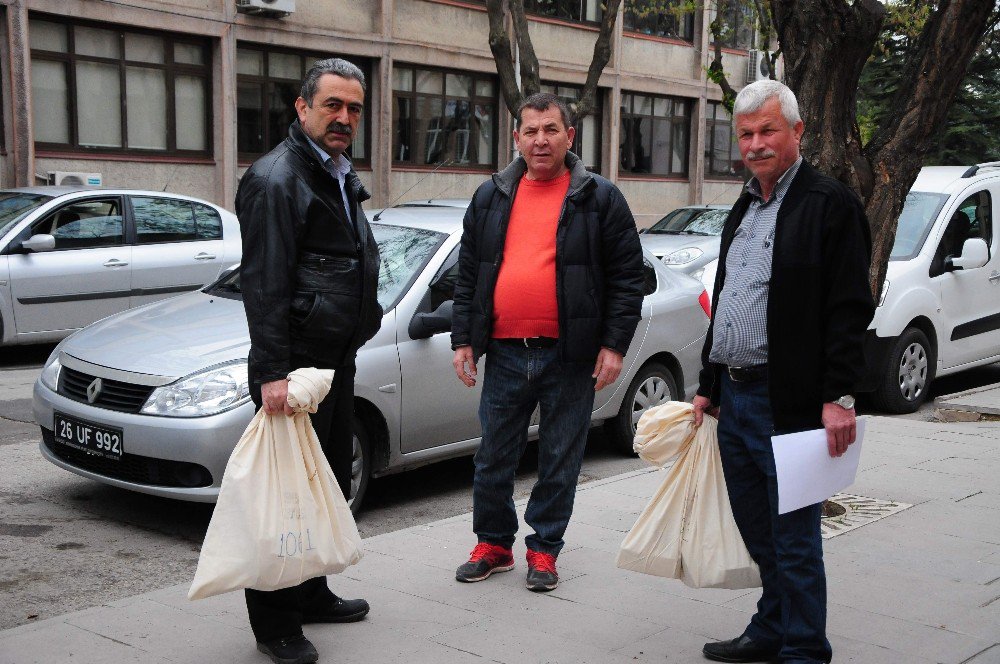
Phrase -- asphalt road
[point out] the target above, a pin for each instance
(67, 543)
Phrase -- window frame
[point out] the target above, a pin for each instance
(712, 120)
(412, 95)
(193, 205)
(308, 58)
(126, 235)
(739, 14)
(685, 120)
(687, 20)
(597, 114)
(172, 70)
(531, 9)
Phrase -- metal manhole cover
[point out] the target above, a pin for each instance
(856, 511)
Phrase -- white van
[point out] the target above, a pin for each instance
(939, 311)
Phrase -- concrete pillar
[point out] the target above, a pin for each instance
(22, 148)
(614, 99)
(380, 98)
(224, 130)
(696, 160)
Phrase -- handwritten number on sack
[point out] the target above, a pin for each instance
(291, 544)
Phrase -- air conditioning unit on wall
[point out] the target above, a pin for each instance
(272, 8)
(758, 66)
(73, 178)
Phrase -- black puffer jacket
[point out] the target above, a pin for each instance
(309, 280)
(598, 264)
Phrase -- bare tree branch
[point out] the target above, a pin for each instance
(503, 55)
(530, 82)
(602, 54)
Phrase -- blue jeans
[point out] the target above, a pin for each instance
(791, 613)
(516, 380)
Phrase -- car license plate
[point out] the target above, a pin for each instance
(100, 440)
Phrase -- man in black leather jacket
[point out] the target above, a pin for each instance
(309, 277)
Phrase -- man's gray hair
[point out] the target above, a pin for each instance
(335, 66)
(753, 97)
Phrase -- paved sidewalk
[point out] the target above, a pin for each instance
(918, 586)
(984, 400)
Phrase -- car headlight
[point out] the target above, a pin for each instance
(207, 392)
(50, 373)
(885, 289)
(682, 256)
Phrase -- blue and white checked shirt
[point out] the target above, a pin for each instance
(740, 334)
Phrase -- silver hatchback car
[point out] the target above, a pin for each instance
(73, 255)
(689, 238)
(154, 399)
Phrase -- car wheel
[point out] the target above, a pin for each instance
(908, 374)
(361, 464)
(652, 386)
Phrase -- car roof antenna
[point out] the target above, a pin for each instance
(396, 200)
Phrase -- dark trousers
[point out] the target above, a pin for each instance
(516, 380)
(278, 613)
(791, 613)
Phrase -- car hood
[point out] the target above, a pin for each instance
(662, 245)
(173, 337)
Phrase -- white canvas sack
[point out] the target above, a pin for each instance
(687, 530)
(281, 517)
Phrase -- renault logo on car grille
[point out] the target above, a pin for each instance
(94, 390)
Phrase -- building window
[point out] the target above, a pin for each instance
(570, 10)
(587, 144)
(268, 82)
(655, 135)
(101, 88)
(650, 17)
(722, 153)
(443, 117)
(737, 23)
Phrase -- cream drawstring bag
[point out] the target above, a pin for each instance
(687, 530)
(281, 517)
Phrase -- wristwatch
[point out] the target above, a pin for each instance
(846, 402)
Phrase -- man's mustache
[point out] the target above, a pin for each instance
(763, 153)
(338, 128)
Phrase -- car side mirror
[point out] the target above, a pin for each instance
(426, 325)
(975, 253)
(39, 242)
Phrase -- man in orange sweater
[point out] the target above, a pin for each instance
(550, 291)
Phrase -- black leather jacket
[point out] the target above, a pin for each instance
(299, 301)
(598, 264)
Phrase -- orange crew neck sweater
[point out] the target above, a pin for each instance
(524, 300)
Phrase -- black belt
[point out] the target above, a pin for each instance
(531, 342)
(747, 374)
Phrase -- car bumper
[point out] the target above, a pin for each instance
(171, 457)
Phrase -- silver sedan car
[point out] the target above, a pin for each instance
(155, 399)
(688, 238)
(73, 255)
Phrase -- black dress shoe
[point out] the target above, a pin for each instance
(289, 650)
(339, 611)
(740, 649)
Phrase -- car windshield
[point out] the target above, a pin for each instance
(691, 221)
(14, 205)
(920, 210)
(403, 251)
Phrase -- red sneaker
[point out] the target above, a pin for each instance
(542, 574)
(485, 559)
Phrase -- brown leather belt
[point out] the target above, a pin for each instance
(747, 374)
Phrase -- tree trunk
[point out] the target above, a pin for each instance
(825, 44)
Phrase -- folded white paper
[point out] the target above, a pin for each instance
(807, 474)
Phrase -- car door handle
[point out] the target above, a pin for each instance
(203, 256)
(995, 277)
(114, 262)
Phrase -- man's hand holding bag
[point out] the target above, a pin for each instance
(281, 517)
